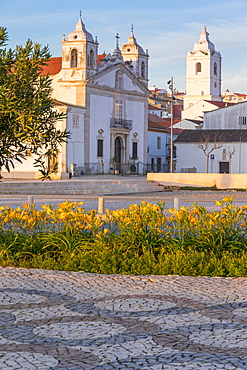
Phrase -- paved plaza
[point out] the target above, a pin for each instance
(118, 201)
(75, 320)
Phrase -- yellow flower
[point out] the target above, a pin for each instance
(218, 203)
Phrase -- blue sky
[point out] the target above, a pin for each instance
(167, 29)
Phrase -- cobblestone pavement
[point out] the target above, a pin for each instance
(65, 320)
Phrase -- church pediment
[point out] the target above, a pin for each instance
(118, 77)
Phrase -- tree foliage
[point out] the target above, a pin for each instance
(27, 116)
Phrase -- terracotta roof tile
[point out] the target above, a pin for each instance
(153, 107)
(53, 67)
(220, 104)
(225, 136)
(164, 122)
(101, 56)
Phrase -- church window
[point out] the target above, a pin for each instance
(119, 109)
(134, 150)
(75, 123)
(119, 80)
(73, 58)
(52, 162)
(100, 147)
(90, 62)
(198, 68)
(215, 69)
(143, 70)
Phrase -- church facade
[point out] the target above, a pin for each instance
(107, 100)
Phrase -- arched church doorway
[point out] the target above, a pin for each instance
(118, 152)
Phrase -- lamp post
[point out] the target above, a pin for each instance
(170, 83)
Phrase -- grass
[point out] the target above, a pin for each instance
(140, 240)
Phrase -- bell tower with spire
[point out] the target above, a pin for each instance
(135, 58)
(203, 77)
(79, 54)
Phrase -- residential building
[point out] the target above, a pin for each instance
(159, 139)
(223, 137)
(213, 151)
(232, 97)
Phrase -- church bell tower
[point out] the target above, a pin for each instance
(79, 54)
(135, 58)
(203, 77)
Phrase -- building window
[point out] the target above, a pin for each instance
(143, 70)
(242, 121)
(75, 123)
(190, 104)
(198, 68)
(158, 142)
(73, 58)
(215, 69)
(202, 92)
(118, 109)
(100, 148)
(134, 150)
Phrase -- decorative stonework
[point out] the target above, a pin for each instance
(61, 320)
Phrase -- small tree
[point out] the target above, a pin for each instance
(207, 145)
(27, 117)
(230, 153)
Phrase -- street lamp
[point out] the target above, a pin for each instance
(170, 83)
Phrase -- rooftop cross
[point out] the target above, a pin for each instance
(117, 38)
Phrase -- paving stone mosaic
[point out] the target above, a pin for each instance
(75, 321)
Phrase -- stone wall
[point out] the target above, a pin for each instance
(221, 181)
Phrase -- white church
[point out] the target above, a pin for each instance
(219, 144)
(105, 98)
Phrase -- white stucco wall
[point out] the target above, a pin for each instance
(197, 109)
(226, 118)
(75, 145)
(186, 125)
(220, 180)
(135, 112)
(101, 109)
(188, 157)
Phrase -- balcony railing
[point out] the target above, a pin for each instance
(121, 123)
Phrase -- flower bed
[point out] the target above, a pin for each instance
(143, 239)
